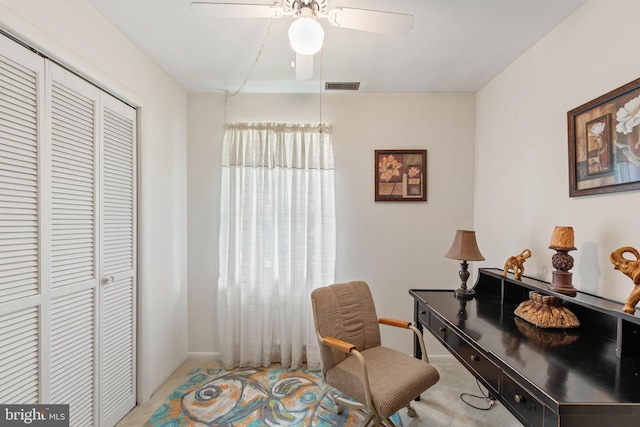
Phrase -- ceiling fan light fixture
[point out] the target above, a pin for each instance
(306, 36)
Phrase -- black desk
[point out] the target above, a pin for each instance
(589, 376)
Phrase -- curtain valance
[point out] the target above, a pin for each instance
(272, 145)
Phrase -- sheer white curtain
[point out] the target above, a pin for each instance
(277, 241)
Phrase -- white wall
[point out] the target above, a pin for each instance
(206, 126)
(76, 34)
(393, 246)
(522, 155)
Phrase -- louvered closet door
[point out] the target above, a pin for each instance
(74, 233)
(117, 260)
(22, 266)
(67, 241)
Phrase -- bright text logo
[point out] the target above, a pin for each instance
(34, 415)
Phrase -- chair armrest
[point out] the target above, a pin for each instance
(423, 348)
(394, 322)
(407, 325)
(339, 344)
(364, 375)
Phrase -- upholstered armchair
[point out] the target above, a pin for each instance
(377, 380)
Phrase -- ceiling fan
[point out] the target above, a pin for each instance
(305, 33)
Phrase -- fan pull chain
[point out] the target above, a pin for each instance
(226, 92)
(321, 127)
(264, 42)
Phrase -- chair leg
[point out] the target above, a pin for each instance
(367, 420)
(389, 423)
(337, 407)
(410, 411)
(370, 417)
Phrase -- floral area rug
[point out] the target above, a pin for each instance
(253, 397)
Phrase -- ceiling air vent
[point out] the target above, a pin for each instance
(342, 85)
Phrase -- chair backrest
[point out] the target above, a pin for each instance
(345, 311)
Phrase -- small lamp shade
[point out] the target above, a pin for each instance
(562, 238)
(465, 247)
(306, 36)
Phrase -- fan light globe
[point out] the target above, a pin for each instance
(306, 36)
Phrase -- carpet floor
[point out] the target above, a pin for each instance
(253, 397)
(440, 406)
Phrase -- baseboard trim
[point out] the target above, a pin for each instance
(214, 355)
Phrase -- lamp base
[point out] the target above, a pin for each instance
(464, 293)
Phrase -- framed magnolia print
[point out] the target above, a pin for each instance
(604, 143)
(400, 175)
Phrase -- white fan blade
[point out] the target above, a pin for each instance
(236, 10)
(374, 21)
(304, 67)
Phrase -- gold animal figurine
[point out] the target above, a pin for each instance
(630, 268)
(516, 263)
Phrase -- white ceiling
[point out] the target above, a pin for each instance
(455, 46)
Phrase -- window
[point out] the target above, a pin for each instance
(277, 241)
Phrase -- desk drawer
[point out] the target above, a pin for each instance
(475, 360)
(438, 328)
(423, 315)
(472, 358)
(526, 407)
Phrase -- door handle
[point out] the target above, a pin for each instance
(108, 280)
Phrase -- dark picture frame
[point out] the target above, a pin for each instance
(604, 143)
(400, 175)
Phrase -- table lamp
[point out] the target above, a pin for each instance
(464, 248)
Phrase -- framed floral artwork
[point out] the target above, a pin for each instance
(400, 175)
(604, 143)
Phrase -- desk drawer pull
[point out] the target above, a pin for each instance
(474, 358)
(442, 329)
(423, 312)
(518, 398)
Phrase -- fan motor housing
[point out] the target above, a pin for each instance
(317, 6)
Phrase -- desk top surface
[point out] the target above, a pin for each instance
(569, 365)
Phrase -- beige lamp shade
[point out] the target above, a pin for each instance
(562, 238)
(465, 247)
